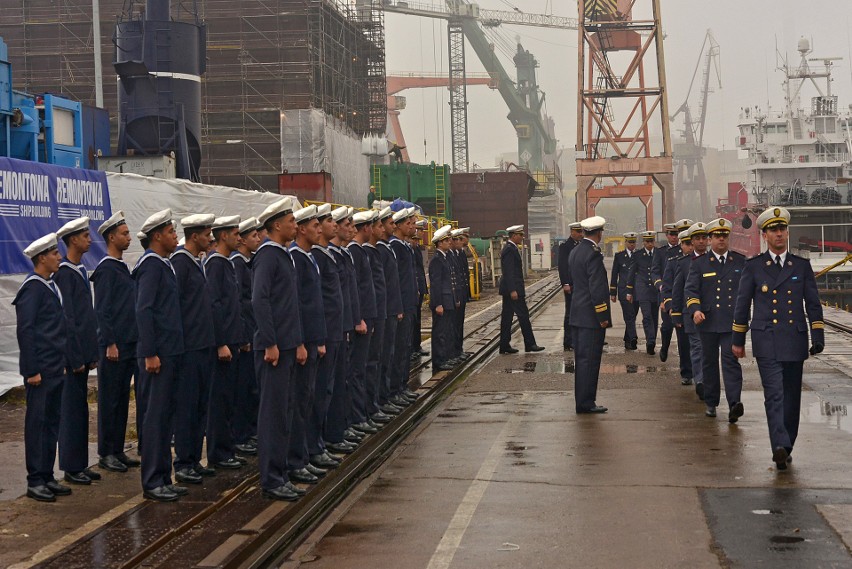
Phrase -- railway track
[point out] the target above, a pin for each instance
(229, 525)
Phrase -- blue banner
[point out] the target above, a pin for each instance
(36, 199)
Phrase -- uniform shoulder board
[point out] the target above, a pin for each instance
(737, 254)
(794, 256)
(755, 257)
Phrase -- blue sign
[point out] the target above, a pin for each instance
(37, 199)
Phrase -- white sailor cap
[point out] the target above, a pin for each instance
(575, 225)
(669, 227)
(630, 236)
(340, 213)
(73, 226)
(515, 229)
(41, 245)
(226, 222)
(593, 223)
(363, 217)
(720, 225)
(774, 216)
(114, 221)
(421, 224)
(456, 233)
(649, 235)
(157, 221)
(351, 211)
(248, 225)
(442, 233)
(684, 236)
(464, 230)
(385, 213)
(323, 211)
(141, 235)
(282, 207)
(182, 242)
(197, 220)
(403, 214)
(305, 214)
(697, 228)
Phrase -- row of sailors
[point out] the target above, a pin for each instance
(291, 337)
(705, 292)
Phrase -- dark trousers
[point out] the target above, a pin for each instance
(712, 344)
(159, 393)
(374, 366)
(629, 311)
(41, 428)
(322, 397)
(358, 375)
(519, 308)
(402, 355)
(244, 424)
(302, 401)
(650, 320)
(459, 329)
(220, 411)
(782, 399)
(588, 350)
(566, 322)
(336, 421)
(74, 423)
(191, 401)
(113, 401)
(388, 351)
(274, 416)
(442, 336)
(666, 327)
(416, 331)
(683, 353)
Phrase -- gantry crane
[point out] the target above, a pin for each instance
(690, 179)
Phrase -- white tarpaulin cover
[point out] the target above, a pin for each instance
(138, 197)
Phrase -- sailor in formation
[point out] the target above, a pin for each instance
(618, 288)
(420, 226)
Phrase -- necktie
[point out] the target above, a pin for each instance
(85, 272)
(778, 261)
(722, 260)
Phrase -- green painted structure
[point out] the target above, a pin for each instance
(426, 185)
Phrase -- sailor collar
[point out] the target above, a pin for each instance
(50, 284)
(149, 254)
(76, 268)
(325, 250)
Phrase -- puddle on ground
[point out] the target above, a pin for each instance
(545, 366)
(825, 412)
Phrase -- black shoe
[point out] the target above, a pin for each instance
(380, 418)
(41, 493)
(352, 436)
(332, 458)
(246, 448)
(447, 366)
(390, 409)
(710, 412)
(779, 457)
(112, 463)
(187, 476)
(686, 381)
(241, 459)
(58, 489)
(229, 464)
(699, 390)
(340, 448)
(127, 461)
(77, 478)
(635, 344)
(303, 476)
(736, 412)
(509, 350)
(595, 409)
(316, 470)
(423, 352)
(534, 349)
(400, 401)
(280, 493)
(649, 348)
(179, 490)
(323, 461)
(664, 353)
(410, 395)
(161, 494)
(203, 470)
(92, 474)
(295, 489)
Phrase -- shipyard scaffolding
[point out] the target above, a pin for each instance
(309, 73)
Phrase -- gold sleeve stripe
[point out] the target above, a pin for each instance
(629, 286)
(677, 314)
(692, 301)
(817, 326)
(740, 328)
(658, 281)
(597, 309)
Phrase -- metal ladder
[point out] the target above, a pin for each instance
(377, 180)
(440, 191)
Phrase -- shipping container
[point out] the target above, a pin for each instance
(313, 186)
(488, 202)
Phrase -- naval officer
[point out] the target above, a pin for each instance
(422, 286)
(665, 253)
(115, 295)
(442, 300)
(697, 234)
(73, 281)
(514, 295)
(461, 238)
(159, 349)
(783, 290)
(564, 267)
(44, 362)
(621, 266)
(711, 293)
(277, 346)
(644, 289)
(666, 305)
(590, 314)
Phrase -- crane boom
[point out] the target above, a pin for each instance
(488, 18)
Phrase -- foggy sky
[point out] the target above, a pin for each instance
(747, 31)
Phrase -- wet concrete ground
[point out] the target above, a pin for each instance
(504, 474)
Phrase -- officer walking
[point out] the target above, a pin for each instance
(711, 291)
(115, 295)
(783, 290)
(665, 253)
(565, 249)
(644, 289)
(621, 266)
(590, 314)
(514, 294)
(666, 305)
(42, 330)
(422, 287)
(442, 300)
(159, 349)
(697, 234)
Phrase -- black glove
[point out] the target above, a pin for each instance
(816, 349)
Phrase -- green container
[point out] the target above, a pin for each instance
(417, 183)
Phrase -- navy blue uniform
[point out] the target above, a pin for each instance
(158, 318)
(681, 271)
(459, 256)
(401, 366)
(441, 283)
(246, 396)
(73, 281)
(341, 398)
(512, 280)
(42, 330)
(711, 287)
(197, 364)
(374, 377)
(662, 257)
(564, 267)
(228, 330)
(589, 309)
(312, 315)
(645, 292)
(115, 298)
(785, 299)
(422, 291)
(361, 342)
(666, 293)
(275, 302)
(392, 322)
(621, 266)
